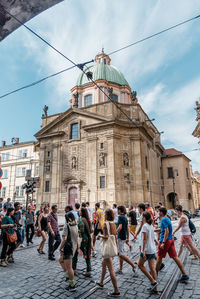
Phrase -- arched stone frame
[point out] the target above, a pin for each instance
(172, 200)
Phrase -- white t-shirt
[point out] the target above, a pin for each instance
(150, 247)
(115, 215)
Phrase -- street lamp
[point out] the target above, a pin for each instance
(88, 194)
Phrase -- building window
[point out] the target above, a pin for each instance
(74, 131)
(21, 191)
(5, 156)
(147, 185)
(3, 194)
(17, 191)
(115, 98)
(21, 171)
(104, 60)
(48, 154)
(47, 186)
(102, 182)
(170, 173)
(146, 162)
(187, 173)
(102, 145)
(88, 100)
(5, 174)
(122, 97)
(22, 153)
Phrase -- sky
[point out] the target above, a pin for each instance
(164, 70)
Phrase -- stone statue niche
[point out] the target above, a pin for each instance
(102, 159)
(74, 163)
(125, 159)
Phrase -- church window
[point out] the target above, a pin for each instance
(104, 60)
(74, 131)
(170, 173)
(102, 145)
(146, 162)
(147, 185)
(48, 154)
(102, 182)
(122, 97)
(88, 100)
(47, 186)
(115, 98)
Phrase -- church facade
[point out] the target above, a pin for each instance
(100, 151)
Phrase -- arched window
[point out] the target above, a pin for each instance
(88, 100)
(115, 97)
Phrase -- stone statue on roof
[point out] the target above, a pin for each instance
(45, 109)
(134, 97)
(76, 100)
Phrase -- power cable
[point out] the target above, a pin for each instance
(80, 66)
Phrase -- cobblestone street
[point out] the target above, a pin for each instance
(34, 276)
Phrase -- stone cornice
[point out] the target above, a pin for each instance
(53, 134)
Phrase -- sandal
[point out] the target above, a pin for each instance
(113, 294)
(99, 285)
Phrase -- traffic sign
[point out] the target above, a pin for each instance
(0, 185)
(1, 172)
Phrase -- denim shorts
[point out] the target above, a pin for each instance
(148, 256)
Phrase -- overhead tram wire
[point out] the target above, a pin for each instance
(80, 66)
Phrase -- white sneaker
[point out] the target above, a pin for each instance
(22, 245)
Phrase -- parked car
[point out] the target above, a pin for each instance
(172, 214)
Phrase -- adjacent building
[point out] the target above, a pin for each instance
(177, 179)
(99, 151)
(16, 159)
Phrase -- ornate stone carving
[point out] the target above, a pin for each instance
(76, 100)
(110, 92)
(102, 159)
(134, 97)
(125, 159)
(74, 163)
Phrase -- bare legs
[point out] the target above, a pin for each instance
(108, 263)
(44, 237)
(153, 276)
(69, 270)
(126, 259)
(177, 261)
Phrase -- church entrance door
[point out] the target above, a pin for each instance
(73, 196)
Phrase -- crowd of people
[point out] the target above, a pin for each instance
(116, 227)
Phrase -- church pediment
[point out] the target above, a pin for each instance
(55, 128)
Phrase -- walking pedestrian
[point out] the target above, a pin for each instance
(8, 204)
(132, 221)
(148, 250)
(17, 219)
(115, 214)
(23, 227)
(30, 225)
(141, 208)
(54, 235)
(186, 238)
(7, 226)
(43, 228)
(107, 262)
(85, 228)
(166, 244)
(98, 226)
(123, 238)
(69, 208)
(68, 248)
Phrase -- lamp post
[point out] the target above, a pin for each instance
(89, 195)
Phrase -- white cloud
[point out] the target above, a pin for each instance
(175, 115)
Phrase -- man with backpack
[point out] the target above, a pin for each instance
(186, 227)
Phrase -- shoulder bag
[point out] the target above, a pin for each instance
(11, 238)
(109, 246)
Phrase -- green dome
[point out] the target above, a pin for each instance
(103, 71)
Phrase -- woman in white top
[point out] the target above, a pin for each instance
(186, 238)
(148, 250)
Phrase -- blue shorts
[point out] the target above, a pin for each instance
(148, 256)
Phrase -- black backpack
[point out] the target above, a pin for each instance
(192, 227)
